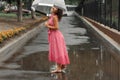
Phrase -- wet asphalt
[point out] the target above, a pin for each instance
(90, 57)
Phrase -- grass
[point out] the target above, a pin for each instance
(8, 15)
(11, 15)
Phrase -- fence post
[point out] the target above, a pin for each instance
(119, 18)
(100, 10)
(105, 11)
(110, 13)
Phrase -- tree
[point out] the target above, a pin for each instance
(32, 12)
(28, 4)
(19, 13)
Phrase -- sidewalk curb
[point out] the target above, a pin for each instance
(8, 50)
(106, 37)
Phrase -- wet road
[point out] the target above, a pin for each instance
(90, 58)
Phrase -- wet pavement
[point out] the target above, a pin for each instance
(91, 58)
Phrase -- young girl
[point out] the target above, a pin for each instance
(57, 47)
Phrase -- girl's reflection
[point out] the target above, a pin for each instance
(59, 76)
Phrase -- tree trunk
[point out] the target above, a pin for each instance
(19, 5)
(32, 11)
(33, 14)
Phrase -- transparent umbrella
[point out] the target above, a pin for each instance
(44, 6)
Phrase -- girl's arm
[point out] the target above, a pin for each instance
(55, 19)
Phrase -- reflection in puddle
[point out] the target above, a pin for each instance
(59, 76)
(85, 64)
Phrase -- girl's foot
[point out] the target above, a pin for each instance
(56, 71)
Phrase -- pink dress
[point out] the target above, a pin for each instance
(57, 47)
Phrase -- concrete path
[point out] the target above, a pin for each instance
(90, 58)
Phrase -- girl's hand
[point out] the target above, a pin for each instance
(46, 24)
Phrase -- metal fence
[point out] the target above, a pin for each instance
(106, 12)
(103, 11)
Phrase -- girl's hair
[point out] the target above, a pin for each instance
(59, 14)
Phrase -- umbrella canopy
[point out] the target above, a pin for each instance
(44, 6)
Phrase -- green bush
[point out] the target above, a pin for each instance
(2, 8)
